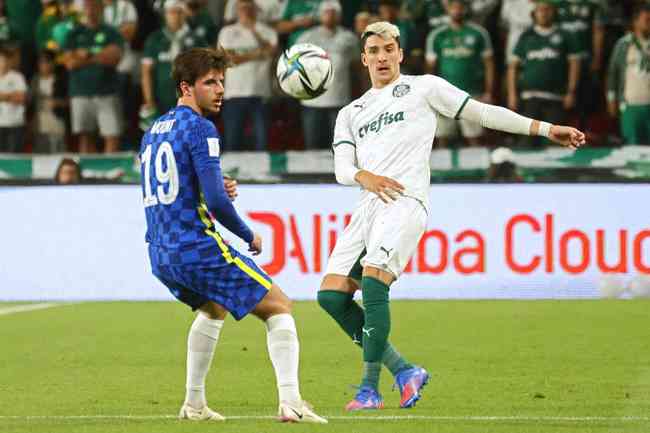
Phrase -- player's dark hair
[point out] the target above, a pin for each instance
(194, 63)
(366, 35)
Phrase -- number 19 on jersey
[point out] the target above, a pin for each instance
(166, 175)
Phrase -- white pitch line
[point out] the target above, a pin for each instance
(29, 307)
(577, 419)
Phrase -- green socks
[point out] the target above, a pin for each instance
(394, 361)
(350, 317)
(347, 313)
(376, 325)
(375, 329)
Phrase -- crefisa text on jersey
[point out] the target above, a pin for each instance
(384, 119)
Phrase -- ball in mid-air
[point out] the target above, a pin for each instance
(304, 71)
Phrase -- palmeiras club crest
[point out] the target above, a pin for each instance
(401, 90)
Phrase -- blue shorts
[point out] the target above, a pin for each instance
(228, 278)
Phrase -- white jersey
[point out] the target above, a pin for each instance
(392, 129)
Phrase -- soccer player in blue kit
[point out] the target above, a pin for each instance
(184, 192)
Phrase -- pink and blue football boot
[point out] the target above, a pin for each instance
(410, 383)
(367, 398)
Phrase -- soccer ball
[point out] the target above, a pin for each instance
(304, 71)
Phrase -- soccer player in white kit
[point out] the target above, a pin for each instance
(382, 142)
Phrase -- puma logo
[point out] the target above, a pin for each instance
(298, 414)
(367, 331)
(386, 251)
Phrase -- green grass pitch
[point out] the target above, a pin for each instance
(497, 366)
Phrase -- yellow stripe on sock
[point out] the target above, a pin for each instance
(239, 262)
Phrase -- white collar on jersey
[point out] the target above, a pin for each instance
(545, 31)
(373, 90)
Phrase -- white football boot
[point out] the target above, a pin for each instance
(203, 414)
(302, 412)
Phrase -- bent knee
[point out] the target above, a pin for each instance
(213, 311)
(333, 301)
(276, 302)
(339, 283)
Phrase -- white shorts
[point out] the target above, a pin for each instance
(449, 128)
(90, 112)
(380, 235)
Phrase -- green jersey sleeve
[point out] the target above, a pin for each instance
(572, 45)
(520, 47)
(150, 52)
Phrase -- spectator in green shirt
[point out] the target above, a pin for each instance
(461, 53)
(298, 16)
(584, 21)
(430, 11)
(160, 50)
(92, 51)
(389, 10)
(201, 22)
(544, 70)
(69, 19)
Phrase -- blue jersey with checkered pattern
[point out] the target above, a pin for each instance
(180, 167)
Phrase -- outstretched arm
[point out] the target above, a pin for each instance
(502, 119)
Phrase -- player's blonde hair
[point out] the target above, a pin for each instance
(384, 29)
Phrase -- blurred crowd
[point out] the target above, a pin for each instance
(89, 75)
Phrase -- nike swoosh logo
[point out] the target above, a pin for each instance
(298, 414)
